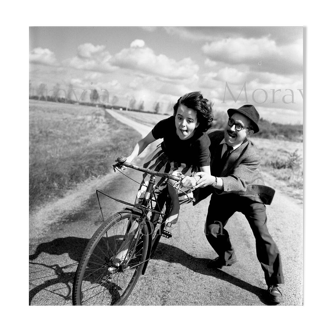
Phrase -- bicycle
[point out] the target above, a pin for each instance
(98, 281)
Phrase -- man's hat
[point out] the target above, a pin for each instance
(248, 111)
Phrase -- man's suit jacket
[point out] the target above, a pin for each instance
(240, 174)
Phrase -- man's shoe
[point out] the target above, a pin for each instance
(275, 295)
(218, 263)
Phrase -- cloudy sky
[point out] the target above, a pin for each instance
(231, 66)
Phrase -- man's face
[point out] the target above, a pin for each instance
(232, 136)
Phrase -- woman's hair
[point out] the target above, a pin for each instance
(201, 105)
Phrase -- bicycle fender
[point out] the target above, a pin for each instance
(139, 213)
(133, 210)
(150, 230)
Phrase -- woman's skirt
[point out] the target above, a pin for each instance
(159, 162)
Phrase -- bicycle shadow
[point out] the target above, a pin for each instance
(171, 254)
(45, 276)
(48, 277)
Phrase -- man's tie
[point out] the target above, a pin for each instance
(225, 156)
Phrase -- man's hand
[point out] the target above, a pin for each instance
(204, 180)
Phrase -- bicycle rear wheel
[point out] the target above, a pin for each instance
(94, 284)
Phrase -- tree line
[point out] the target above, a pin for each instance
(102, 99)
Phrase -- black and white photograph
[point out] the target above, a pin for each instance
(166, 165)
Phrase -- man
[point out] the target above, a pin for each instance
(237, 185)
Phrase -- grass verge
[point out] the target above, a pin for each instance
(69, 144)
(283, 161)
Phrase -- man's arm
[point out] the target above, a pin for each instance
(238, 180)
(242, 175)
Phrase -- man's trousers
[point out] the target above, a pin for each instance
(221, 208)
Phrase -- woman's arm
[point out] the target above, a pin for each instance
(205, 169)
(141, 146)
(191, 182)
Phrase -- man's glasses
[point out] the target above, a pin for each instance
(238, 126)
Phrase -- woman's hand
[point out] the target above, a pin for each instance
(121, 160)
(188, 182)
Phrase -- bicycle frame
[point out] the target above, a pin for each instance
(141, 209)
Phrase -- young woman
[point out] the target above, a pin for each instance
(185, 146)
(185, 149)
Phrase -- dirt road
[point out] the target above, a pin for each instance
(177, 275)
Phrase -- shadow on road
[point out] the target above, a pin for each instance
(199, 265)
(73, 246)
(57, 277)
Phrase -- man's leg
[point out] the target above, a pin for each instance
(266, 249)
(221, 208)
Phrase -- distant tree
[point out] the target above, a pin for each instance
(115, 99)
(42, 91)
(170, 109)
(84, 96)
(141, 106)
(55, 94)
(156, 107)
(94, 96)
(104, 96)
(71, 92)
(132, 103)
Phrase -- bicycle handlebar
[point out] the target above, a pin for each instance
(121, 161)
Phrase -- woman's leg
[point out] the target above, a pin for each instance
(175, 191)
(175, 208)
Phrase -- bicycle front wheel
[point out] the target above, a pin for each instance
(94, 283)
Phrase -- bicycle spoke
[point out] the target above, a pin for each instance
(95, 283)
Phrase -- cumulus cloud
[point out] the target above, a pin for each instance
(176, 90)
(88, 50)
(42, 56)
(231, 75)
(144, 59)
(239, 50)
(261, 54)
(210, 63)
(92, 76)
(91, 58)
(137, 43)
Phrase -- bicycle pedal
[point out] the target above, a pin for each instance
(166, 234)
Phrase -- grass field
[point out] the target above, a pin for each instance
(69, 144)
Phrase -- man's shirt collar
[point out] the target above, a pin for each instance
(234, 147)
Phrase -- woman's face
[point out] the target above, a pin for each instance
(185, 122)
